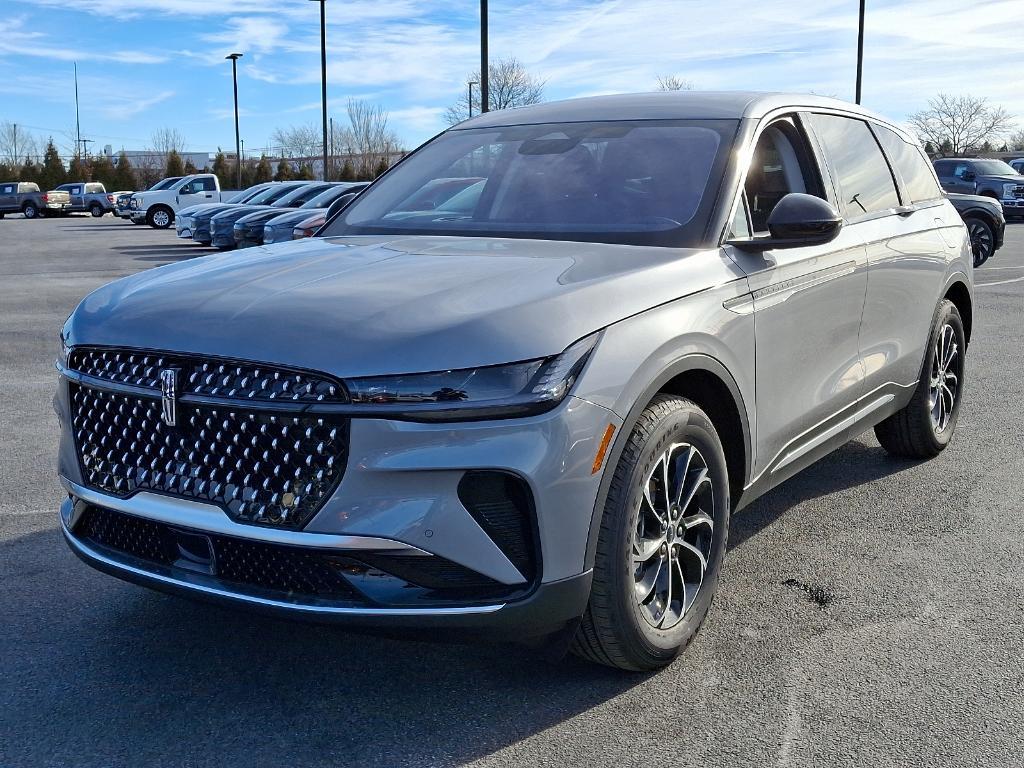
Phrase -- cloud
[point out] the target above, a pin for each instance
(15, 40)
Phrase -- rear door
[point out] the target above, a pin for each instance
(908, 257)
(77, 194)
(807, 305)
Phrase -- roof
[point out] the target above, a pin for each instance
(662, 105)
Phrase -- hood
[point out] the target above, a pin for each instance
(296, 217)
(233, 213)
(361, 306)
(1008, 178)
(262, 215)
(960, 200)
(192, 210)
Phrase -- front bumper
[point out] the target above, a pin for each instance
(184, 227)
(400, 491)
(223, 238)
(1013, 206)
(247, 237)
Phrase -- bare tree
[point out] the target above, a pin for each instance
(298, 140)
(1016, 141)
(16, 144)
(370, 139)
(673, 83)
(163, 142)
(509, 85)
(961, 123)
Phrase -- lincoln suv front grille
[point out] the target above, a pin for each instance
(206, 376)
(264, 467)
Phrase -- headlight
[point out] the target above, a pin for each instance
(518, 389)
(65, 350)
(268, 232)
(1008, 190)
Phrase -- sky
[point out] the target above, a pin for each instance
(144, 65)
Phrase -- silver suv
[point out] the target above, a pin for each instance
(529, 408)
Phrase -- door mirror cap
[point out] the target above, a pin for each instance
(797, 220)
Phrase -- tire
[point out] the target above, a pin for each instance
(925, 426)
(96, 210)
(2, 215)
(620, 627)
(982, 239)
(30, 211)
(159, 217)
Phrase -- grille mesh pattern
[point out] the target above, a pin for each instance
(261, 468)
(275, 567)
(206, 377)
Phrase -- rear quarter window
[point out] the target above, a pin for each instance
(909, 161)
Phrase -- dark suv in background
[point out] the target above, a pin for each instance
(991, 178)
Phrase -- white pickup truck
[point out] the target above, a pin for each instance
(158, 207)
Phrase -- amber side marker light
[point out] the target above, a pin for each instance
(602, 449)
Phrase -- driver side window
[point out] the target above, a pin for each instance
(781, 163)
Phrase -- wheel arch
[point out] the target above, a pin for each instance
(708, 383)
(958, 293)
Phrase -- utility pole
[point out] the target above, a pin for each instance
(484, 93)
(238, 142)
(323, 74)
(78, 127)
(860, 50)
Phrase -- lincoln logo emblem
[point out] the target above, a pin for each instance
(169, 395)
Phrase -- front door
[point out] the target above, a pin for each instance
(807, 304)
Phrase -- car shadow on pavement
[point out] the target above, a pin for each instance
(99, 672)
(851, 465)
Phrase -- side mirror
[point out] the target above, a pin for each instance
(797, 220)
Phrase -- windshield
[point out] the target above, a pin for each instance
(270, 194)
(246, 194)
(300, 195)
(327, 197)
(639, 182)
(993, 168)
(165, 183)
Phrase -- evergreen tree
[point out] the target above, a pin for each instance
(306, 172)
(263, 171)
(174, 165)
(6, 171)
(29, 171)
(929, 148)
(124, 176)
(78, 170)
(946, 146)
(190, 168)
(348, 173)
(53, 173)
(248, 174)
(102, 170)
(221, 168)
(284, 171)
(382, 166)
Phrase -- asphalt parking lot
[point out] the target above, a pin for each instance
(871, 611)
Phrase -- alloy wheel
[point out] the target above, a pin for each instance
(673, 535)
(161, 219)
(981, 242)
(944, 384)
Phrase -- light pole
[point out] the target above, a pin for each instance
(471, 83)
(238, 142)
(323, 73)
(483, 57)
(860, 49)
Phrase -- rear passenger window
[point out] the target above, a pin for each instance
(918, 180)
(864, 179)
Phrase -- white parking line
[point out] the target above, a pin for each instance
(999, 282)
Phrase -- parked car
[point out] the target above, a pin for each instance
(200, 220)
(311, 225)
(1017, 165)
(158, 207)
(254, 228)
(186, 221)
(991, 178)
(122, 204)
(222, 225)
(535, 419)
(985, 223)
(25, 197)
(88, 196)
